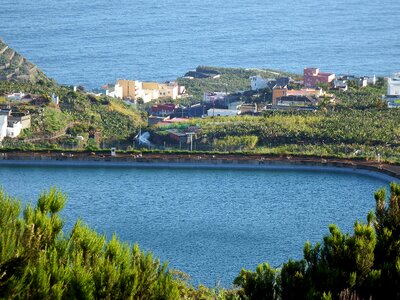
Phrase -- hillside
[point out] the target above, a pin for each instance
(79, 120)
(15, 67)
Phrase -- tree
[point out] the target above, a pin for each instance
(258, 285)
(37, 261)
(387, 252)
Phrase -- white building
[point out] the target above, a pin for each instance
(15, 96)
(3, 123)
(215, 96)
(12, 125)
(341, 84)
(147, 95)
(55, 99)
(393, 88)
(217, 112)
(258, 83)
(134, 89)
(371, 80)
(14, 129)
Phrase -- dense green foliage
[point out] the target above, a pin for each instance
(348, 133)
(369, 97)
(39, 261)
(231, 143)
(78, 114)
(364, 265)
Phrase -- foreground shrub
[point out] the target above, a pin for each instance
(37, 261)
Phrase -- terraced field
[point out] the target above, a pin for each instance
(14, 66)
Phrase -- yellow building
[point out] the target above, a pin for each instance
(169, 90)
(127, 89)
(150, 85)
(133, 89)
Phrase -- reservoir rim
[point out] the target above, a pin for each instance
(337, 166)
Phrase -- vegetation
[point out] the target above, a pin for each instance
(38, 260)
(347, 133)
(231, 80)
(78, 114)
(364, 265)
(369, 97)
(231, 143)
(13, 66)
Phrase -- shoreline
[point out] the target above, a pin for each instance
(197, 161)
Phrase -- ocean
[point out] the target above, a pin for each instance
(96, 42)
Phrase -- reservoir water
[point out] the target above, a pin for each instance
(208, 223)
(95, 42)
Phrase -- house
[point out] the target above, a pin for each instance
(14, 128)
(313, 76)
(23, 118)
(341, 83)
(171, 89)
(11, 124)
(55, 99)
(4, 114)
(214, 96)
(258, 83)
(162, 109)
(134, 89)
(297, 100)
(15, 96)
(279, 92)
(393, 91)
(127, 89)
(217, 112)
(393, 85)
(198, 110)
(392, 102)
(248, 108)
(371, 80)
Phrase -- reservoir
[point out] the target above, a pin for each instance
(209, 222)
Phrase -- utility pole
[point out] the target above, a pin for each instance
(190, 134)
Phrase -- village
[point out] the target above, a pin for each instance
(163, 101)
(285, 93)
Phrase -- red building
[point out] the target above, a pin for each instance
(312, 76)
(162, 109)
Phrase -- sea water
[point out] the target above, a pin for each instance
(96, 42)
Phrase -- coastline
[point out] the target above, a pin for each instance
(198, 161)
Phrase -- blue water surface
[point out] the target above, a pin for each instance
(208, 223)
(95, 42)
